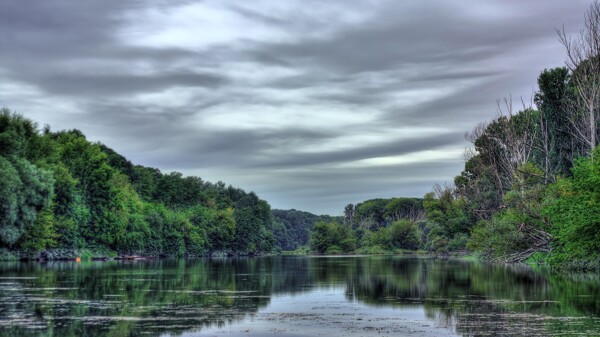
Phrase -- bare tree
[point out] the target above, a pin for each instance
(583, 61)
(516, 142)
(478, 132)
(511, 142)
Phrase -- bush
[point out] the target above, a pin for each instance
(573, 207)
(334, 250)
(495, 238)
(381, 238)
(405, 234)
(458, 242)
(6, 255)
(332, 234)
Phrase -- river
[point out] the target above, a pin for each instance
(295, 296)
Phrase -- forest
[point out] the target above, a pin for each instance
(59, 190)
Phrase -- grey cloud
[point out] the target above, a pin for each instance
(454, 75)
(124, 84)
(196, 146)
(355, 185)
(445, 109)
(258, 16)
(72, 49)
(376, 48)
(473, 53)
(346, 181)
(390, 148)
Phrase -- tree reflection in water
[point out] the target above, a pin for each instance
(173, 296)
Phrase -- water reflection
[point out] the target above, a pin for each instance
(119, 298)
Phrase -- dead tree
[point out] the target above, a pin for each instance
(516, 144)
(583, 61)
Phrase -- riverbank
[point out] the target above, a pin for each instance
(59, 254)
(370, 251)
(105, 254)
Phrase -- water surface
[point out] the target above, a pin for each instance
(294, 296)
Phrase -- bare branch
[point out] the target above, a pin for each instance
(583, 61)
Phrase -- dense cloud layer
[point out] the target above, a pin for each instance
(311, 104)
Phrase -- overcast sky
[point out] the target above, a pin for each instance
(311, 104)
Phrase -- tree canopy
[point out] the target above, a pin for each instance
(59, 190)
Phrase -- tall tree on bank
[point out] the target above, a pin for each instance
(583, 61)
(25, 189)
(556, 144)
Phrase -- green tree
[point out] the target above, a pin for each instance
(404, 208)
(221, 228)
(518, 230)
(371, 214)
(24, 191)
(174, 234)
(332, 234)
(446, 219)
(15, 133)
(42, 234)
(404, 234)
(381, 239)
(217, 227)
(292, 227)
(158, 218)
(573, 206)
(555, 139)
(10, 187)
(252, 219)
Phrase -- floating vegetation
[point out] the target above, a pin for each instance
(299, 296)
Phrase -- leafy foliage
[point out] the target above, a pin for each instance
(24, 191)
(332, 238)
(376, 213)
(518, 230)
(292, 228)
(446, 220)
(60, 190)
(573, 206)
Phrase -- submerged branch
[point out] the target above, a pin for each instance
(540, 242)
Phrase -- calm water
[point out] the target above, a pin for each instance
(294, 296)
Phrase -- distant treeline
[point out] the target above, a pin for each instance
(372, 227)
(292, 228)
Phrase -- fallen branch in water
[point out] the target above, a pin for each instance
(540, 242)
